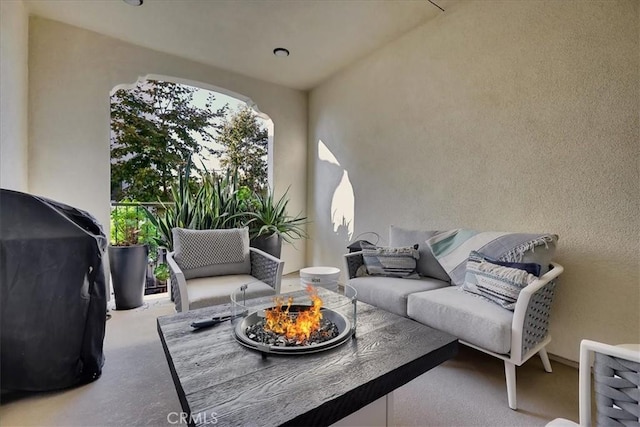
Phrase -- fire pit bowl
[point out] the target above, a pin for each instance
(333, 314)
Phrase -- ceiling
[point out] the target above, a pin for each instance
(323, 36)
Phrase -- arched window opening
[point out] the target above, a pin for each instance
(157, 125)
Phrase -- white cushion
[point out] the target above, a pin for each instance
(390, 293)
(464, 315)
(208, 291)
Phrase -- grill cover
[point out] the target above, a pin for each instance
(52, 294)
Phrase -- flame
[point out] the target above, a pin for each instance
(300, 327)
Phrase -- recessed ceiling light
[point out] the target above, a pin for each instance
(133, 2)
(280, 51)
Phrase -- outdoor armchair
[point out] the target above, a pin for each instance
(207, 266)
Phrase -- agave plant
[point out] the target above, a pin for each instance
(217, 202)
(270, 217)
(181, 213)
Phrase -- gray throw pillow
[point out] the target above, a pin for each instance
(205, 253)
(428, 265)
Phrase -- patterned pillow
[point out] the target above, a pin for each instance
(391, 262)
(496, 283)
(451, 249)
(529, 267)
(428, 265)
(204, 253)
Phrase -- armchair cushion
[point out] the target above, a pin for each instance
(464, 315)
(208, 291)
(203, 253)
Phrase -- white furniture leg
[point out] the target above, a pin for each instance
(510, 374)
(545, 359)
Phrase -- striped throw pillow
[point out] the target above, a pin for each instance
(391, 262)
(496, 283)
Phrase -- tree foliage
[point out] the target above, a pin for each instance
(244, 149)
(155, 128)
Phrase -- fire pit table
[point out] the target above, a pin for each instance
(222, 380)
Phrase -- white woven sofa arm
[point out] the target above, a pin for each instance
(178, 285)
(266, 268)
(530, 326)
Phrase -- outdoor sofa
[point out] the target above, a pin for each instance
(469, 284)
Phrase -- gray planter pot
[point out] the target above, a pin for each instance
(128, 266)
(270, 244)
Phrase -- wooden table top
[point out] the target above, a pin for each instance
(221, 382)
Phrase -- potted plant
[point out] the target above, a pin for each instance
(161, 273)
(269, 224)
(128, 254)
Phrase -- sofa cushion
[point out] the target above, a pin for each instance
(390, 293)
(496, 283)
(452, 248)
(464, 315)
(214, 290)
(390, 261)
(203, 253)
(428, 265)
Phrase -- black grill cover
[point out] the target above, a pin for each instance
(52, 294)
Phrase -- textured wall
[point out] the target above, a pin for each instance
(14, 47)
(71, 74)
(498, 115)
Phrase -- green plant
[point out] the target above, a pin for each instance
(161, 272)
(215, 202)
(129, 225)
(188, 210)
(212, 202)
(270, 217)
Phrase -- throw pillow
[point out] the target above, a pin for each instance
(496, 283)
(204, 253)
(529, 267)
(428, 265)
(390, 261)
(451, 249)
